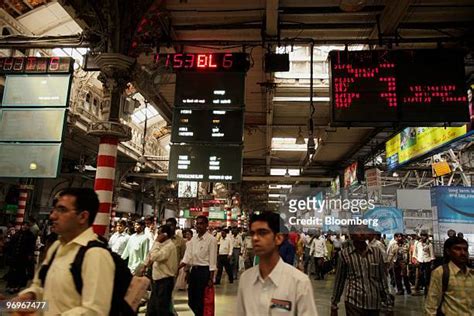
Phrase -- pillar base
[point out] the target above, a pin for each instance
(114, 129)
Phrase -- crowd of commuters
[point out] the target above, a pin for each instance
(278, 264)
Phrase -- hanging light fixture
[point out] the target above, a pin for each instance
(300, 138)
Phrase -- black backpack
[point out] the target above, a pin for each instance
(444, 287)
(122, 278)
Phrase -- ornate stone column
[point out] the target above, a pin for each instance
(115, 74)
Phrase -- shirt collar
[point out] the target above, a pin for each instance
(84, 238)
(353, 249)
(456, 270)
(274, 276)
(204, 236)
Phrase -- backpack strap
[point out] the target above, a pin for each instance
(76, 265)
(445, 279)
(43, 271)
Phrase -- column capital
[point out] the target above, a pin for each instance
(108, 128)
(115, 70)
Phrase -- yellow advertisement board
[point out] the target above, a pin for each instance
(413, 142)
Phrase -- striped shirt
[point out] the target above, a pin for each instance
(364, 276)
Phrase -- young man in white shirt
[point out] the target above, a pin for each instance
(318, 251)
(201, 256)
(237, 245)
(225, 254)
(118, 241)
(273, 287)
(72, 219)
(423, 256)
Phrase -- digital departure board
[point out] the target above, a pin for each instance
(207, 125)
(204, 62)
(9, 65)
(213, 163)
(222, 90)
(36, 90)
(409, 87)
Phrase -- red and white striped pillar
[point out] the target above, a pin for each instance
(104, 182)
(239, 221)
(20, 215)
(229, 218)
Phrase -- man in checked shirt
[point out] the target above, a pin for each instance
(361, 268)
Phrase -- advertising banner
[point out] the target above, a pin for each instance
(350, 175)
(453, 208)
(389, 220)
(414, 142)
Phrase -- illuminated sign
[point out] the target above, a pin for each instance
(213, 163)
(187, 189)
(371, 88)
(202, 62)
(414, 142)
(9, 65)
(207, 125)
(220, 90)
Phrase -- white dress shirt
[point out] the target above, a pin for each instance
(118, 242)
(423, 252)
(318, 248)
(286, 291)
(225, 246)
(201, 251)
(98, 270)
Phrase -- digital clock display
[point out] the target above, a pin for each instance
(207, 125)
(26, 65)
(222, 90)
(409, 87)
(208, 163)
(214, 62)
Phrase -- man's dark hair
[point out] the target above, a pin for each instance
(86, 200)
(149, 218)
(272, 219)
(140, 222)
(226, 231)
(123, 222)
(450, 242)
(204, 218)
(172, 220)
(167, 230)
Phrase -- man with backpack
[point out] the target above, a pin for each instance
(450, 291)
(72, 219)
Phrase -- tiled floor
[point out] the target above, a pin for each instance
(226, 295)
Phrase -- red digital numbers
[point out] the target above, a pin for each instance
(191, 61)
(35, 64)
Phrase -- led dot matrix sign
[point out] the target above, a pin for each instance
(406, 87)
(208, 116)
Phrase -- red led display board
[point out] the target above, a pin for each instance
(215, 62)
(406, 87)
(32, 65)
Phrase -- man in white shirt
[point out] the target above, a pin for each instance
(273, 287)
(163, 257)
(72, 219)
(225, 254)
(237, 245)
(248, 252)
(423, 255)
(201, 256)
(150, 230)
(318, 251)
(118, 241)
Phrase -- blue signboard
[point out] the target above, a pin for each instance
(386, 220)
(454, 204)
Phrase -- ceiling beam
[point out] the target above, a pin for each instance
(272, 179)
(271, 18)
(391, 16)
